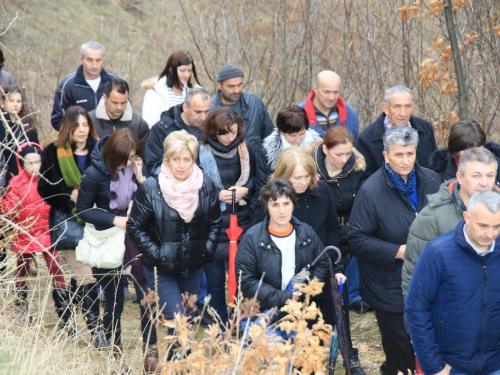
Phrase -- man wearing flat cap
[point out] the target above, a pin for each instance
(257, 122)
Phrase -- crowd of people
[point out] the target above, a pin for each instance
(416, 226)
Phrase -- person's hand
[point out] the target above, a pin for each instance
(296, 296)
(74, 195)
(138, 170)
(120, 221)
(240, 192)
(401, 252)
(340, 276)
(445, 371)
(225, 196)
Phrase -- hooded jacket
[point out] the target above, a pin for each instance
(345, 185)
(156, 100)
(370, 143)
(74, 90)
(445, 166)
(256, 121)
(379, 224)
(165, 240)
(453, 306)
(104, 126)
(348, 118)
(257, 253)
(26, 208)
(272, 147)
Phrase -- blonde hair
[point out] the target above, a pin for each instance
(292, 157)
(180, 141)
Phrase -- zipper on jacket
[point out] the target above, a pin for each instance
(483, 313)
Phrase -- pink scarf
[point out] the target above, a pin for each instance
(182, 196)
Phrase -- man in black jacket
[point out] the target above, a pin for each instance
(189, 116)
(383, 211)
(398, 108)
(83, 87)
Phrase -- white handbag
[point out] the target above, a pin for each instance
(101, 248)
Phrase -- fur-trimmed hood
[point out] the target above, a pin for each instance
(273, 147)
(101, 113)
(359, 162)
(149, 83)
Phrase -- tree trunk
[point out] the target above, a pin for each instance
(463, 101)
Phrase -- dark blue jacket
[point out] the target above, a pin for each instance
(453, 306)
(74, 90)
(257, 122)
(379, 224)
(370, 143)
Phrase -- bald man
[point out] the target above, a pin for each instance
(326, 108)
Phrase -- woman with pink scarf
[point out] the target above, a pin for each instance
(175, 222)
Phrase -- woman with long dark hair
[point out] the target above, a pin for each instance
(170, 87)
(63, 163)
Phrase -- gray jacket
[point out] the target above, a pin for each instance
(257, 122)
(104, 126)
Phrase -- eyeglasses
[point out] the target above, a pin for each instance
(134, 157)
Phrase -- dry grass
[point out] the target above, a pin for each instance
(41, 347)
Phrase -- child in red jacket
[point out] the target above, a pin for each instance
(30, 215)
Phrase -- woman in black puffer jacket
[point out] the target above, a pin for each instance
(175, 223)
(110, 184)
(229, 161)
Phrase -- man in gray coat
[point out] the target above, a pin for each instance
(115, 112)
(257, 122)
(477, 171)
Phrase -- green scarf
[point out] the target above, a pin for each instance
(71, 174)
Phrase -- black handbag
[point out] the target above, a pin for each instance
(66, 232)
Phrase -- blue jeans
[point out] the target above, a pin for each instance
(456, 372)
(171, 287)
(202, 293)
(113, 305)
(352, 274)
(148, 329)
(216, 286)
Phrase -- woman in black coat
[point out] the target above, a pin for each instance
(342, 166)
(317, 209)
(175, 223)
(110, 184)
(280, 246)
(229, 161)
(71, 152)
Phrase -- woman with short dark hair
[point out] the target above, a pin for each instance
(229, 161)
(280, 246)
(171, 86)
(464, 134)
(292, 129)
